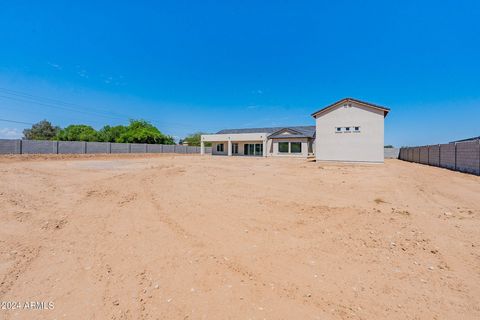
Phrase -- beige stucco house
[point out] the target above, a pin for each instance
(349, 130)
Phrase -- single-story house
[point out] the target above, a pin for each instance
(348, 130)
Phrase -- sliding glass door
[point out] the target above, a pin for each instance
(253, 149)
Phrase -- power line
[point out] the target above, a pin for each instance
(48, 105)
(51, 101)
(67, 106)
(14, 121)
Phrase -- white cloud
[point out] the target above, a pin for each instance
(83, 73)
(10, 133)
(55, 65)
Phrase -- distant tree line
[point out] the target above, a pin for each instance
(137, 131)
(194, 139)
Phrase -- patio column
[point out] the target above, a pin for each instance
(264, 148)
(229, 147)
(202, 148)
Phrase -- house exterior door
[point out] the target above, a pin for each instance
(253, 149)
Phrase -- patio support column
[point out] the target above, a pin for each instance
(202, 148)
(264, 148)
(229, 148)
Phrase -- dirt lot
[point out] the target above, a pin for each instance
(190, 237)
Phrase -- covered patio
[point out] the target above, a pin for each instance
(239, 144)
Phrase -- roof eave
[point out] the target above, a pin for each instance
(370, 105)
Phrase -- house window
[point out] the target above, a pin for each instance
(347, 129)
(338, 129)
(283, 147)
(295, 147)
(235, 148)
(357, 129)
(220, 147)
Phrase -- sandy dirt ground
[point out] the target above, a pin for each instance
(190, 237)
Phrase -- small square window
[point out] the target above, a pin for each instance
(338, 129)
(357, 128)
(347, 128)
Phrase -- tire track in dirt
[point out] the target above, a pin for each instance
(24, 257)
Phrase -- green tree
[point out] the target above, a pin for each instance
(43, 130)
(111, 134)
(141, 131)
(194, 139)
(78, 132)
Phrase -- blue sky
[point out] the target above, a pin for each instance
(191, 66)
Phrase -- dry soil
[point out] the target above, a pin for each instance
(190, 237)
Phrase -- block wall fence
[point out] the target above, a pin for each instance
(460, 156)
(80, 147)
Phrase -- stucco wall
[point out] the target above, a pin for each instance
(241, 147)
(214, 148)
(364, 146)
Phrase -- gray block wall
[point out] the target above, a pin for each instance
(138, 148)
(180, 149)
(10, 146)
(43, 147)
(447, 155)
(98, 147)
(459, 156)
(424, 155)
(120, 147)
(434, 155)
(71, 147)
(154, 148)
(468, 157)
(416, 154)
(168, 148)
(391, 153)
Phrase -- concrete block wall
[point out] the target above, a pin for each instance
(168, 148)
(154, 148)
(71, 147)
(416, 154)
(8, 146)
(468, 157)
(460, 156)
(434, 155)
(138, 148)
(119, 147)
(98, 147)
(447, 155)
(180, 149)
(43, 147)
(424, 155)
(391, 153)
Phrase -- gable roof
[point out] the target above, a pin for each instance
(304, 131)
(293, 132)
(347, 100)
